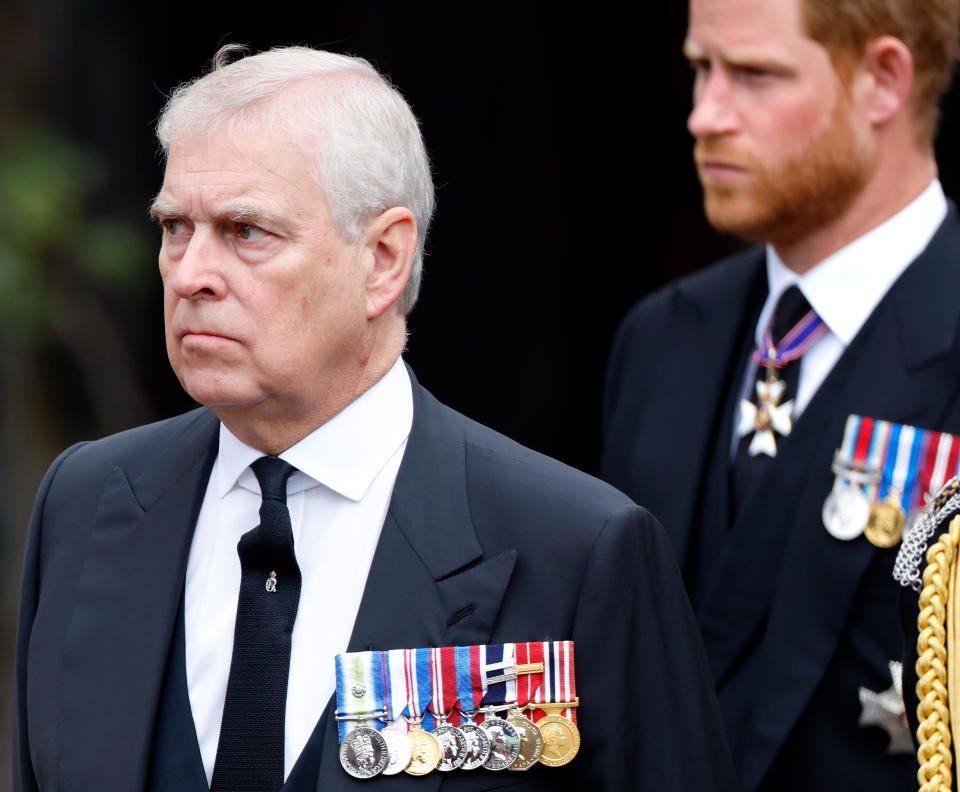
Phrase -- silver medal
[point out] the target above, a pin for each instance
(478, 746)
(363, 752)
(846, 512)
(400, 750)
(453, 747)
(504, 743)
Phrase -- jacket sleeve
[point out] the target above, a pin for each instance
(642, 672)
(24, 779)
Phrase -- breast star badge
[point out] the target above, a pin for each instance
(886, 710)
(766, 417)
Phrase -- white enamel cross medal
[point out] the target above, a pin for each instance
(767, 418)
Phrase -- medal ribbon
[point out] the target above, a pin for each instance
(497, 660)
(878, 450)
(792, 346)
(928, 463)
(470, 688)
(935, 478)
(419, 688)
(528, 684)
(847, 448)
(953, 461)
(903, 459)
(559, 680)
(359, 689)
(443, 672)
(395, 685)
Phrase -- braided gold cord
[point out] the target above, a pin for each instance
(933, 712)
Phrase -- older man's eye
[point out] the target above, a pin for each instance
(249, 232)
(173, 227)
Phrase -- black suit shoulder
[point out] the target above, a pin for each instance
(133, 450)
(71, 490)
(644, 333)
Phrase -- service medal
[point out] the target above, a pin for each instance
(364, 753)
(886, 523)
(561, 740)
(453, 747)
(478, 746)
(531, 741)
(425, 753)
(845, 513)
(399, 749)
(504, 743)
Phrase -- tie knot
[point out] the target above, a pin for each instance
(791, 308)
(272, 473)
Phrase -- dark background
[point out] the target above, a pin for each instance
(565, 192)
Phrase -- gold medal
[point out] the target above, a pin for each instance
(425, 753)
(561, 738)
(886, 523)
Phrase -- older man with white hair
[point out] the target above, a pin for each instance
(168, 641)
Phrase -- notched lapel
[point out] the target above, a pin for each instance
(471, 600)
(126, 601)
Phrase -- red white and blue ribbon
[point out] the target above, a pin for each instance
(559, 678)
(529, 684)
(896, 461)
(402, 686)
(396, 695)
(902, 464)
(419, 687)
(497, 667)
(443, 672)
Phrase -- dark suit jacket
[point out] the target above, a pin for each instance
(484, 542)
(794, 621)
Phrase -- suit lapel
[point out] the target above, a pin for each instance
(123, 618)
(429, 584)
(790, 577)
(708, 324)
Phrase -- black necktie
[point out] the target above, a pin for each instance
(250, 750)
(747, 470)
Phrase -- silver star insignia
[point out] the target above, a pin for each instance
(886, 710)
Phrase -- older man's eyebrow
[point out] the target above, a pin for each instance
(161, 208)
(249, 215)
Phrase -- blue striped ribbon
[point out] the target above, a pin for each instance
(364, 669)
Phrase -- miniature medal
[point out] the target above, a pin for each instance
(845, 513)
(364, 753)
(425, 752)
(504, 743)
(453, 747)
(531, 740)
(886, 523)
(561, 740)
(478, 744)
(467, 665)
(444, 684)
(399, 749)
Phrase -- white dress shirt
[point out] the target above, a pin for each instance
(338, 501)
(845, 288)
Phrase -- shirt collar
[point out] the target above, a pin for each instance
(845, 287)
(345, 454)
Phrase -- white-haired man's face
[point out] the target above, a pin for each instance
(264, 304)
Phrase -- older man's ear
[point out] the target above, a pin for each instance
(390, 245)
